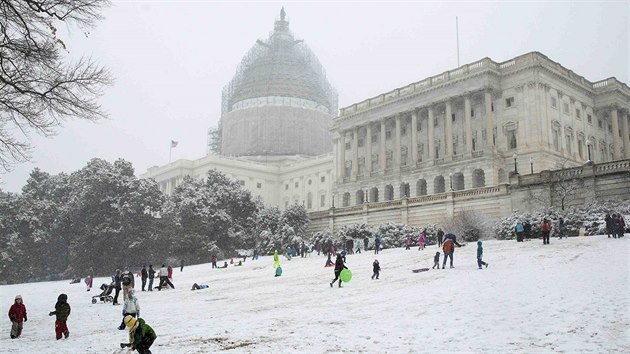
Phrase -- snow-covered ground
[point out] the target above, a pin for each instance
(570, 296)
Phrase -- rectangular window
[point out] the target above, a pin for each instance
(472, 112)
(565, 108)
(554, 102)
(435, 122)
(509, 102)
(374, 138)
(322, 200)
(323, 179)
(589, 118)
(453, 117)
(388, 135)
(258, 185)
(297, 184)
(286, 187)
(419, 126)
(361, 142)
(578, 114)
(491, 106)
(348, 146)
(403, 131)
(599, 124)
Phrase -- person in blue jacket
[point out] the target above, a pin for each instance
(480, 262)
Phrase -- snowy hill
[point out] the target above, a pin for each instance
(570, 296)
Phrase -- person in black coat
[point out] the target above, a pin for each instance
(440, 237)
(144, 275)
(608, 221)
(117, 285)
(151, 276)
(339, 266)
(376, 268)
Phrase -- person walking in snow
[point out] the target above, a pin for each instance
(519, 229)
(17, 315)
(151, 276)
(448, 247)
(181, 266)
(170, 273)
(366, 242)
(214, 261)
(329, 261)
(127, 281)
(276, 259)
(143, 276)
(480, 262)
(164, 280)
(131, 307)
(339, 266)
(436, 260)
(422, 239)
(62, 311)
(622, 225)
(377, 244)
(376, 268)
(117, 285)
(88, 282)
(560, 228)
(608, 220)
(141, 335)
(440, 237)
(407, 243)
(546, 230)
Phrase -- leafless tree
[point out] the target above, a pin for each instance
(567, 184)
(38, 88)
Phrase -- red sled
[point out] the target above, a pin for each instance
(420, 270)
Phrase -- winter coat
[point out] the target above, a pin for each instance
(546, 226)
(127, 279)
(608, 220)
(519, 228)
(143, 273)
(163, 272)
(479, 250)
(275, 256)
(448, 246)
(151, 273)
(143, 335)
(131, 305)
(339, 266)
(422, 239)
(440, 234)
(436, 259)
(170, 272)
(376, 267)
(117, 281)
(17, 312)
(62, 310)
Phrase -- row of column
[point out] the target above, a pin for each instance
(625, 134)
(340, 147)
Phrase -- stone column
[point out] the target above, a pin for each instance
(368, 148)
(489, 120)
(468, 125)
(625, 132)
(336, 157)
(355, 152)
(430, 138)
(414, 137)
(615, 134)
(448, 130)
(397, 152)
(342, 155)
(382, 146)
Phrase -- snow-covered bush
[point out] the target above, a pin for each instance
(470, 225)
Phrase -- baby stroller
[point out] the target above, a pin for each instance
(104, 296)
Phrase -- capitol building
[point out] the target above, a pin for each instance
(465, 139)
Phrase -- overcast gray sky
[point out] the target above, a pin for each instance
(171, 60)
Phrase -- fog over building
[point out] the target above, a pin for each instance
(456, 141)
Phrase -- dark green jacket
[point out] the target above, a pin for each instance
(62, 311)
(143, 336)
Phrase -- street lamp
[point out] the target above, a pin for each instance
(588, 148)
(367, 195)
(333, 201)
(450, 177)
(515, 167)
(531, 165)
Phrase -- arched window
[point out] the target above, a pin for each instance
(503, 177)
(346, 199)
(404, 190)
(458, 181)
(479, 178)
(421, 187)
(389, 192)
(373, 197)
(359, 197)
(438, 184)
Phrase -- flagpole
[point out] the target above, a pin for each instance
(170, 151)
(457, 36)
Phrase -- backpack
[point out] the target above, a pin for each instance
(126, 279)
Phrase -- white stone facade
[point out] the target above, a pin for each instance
(472, 126)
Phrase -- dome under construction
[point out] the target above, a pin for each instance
(279, 101)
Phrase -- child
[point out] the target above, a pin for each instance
(278, 271)
(329, 262)
(436, 260)
(376, 268)
(62, 311)
(339, 266)
(480, 255)
(276, 259)
(88, 282)
(17, 315)
(130, 308)
(141, 335)
(240, 263)
(422, 240)
(199, 286)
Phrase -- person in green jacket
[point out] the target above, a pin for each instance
(276, 259)
(141, 335)
(480, 256)
(62, 311)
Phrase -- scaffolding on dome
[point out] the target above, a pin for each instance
(280, 67)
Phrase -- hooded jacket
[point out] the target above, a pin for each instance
(479, 250)
(339, 266)
(62, 308)
(143, 335)
(131, 304)
(17, 312)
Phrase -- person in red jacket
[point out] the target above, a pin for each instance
(546, 230)
(17, 315)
